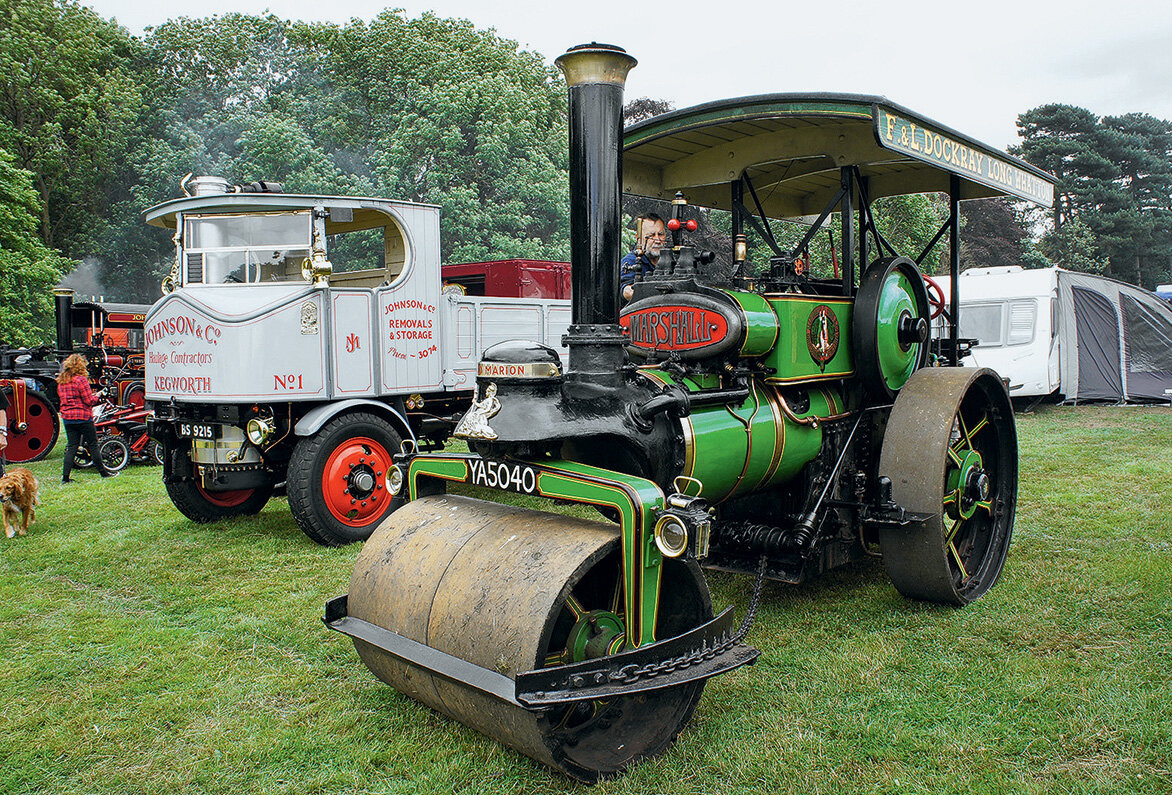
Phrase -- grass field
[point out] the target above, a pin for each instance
(143, 653)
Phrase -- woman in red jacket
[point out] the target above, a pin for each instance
(73, 390)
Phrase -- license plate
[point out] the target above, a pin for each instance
(195, 430)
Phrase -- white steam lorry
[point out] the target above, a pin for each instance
(301, 339)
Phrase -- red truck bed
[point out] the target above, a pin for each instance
(511, 278)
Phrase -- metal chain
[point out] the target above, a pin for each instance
(632, 673)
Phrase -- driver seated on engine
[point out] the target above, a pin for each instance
(652, 234)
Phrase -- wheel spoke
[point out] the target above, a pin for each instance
(950, 531)
(555, 658)
(575, 607)
(987, 505)
(964, 574)
(954, 454)
(969, 434)
(616, 599)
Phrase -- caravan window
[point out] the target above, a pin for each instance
(1023, 318)
(983, 322)
(996, 325)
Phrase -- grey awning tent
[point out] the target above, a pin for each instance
(1116, 341)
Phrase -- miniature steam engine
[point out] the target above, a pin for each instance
(108, 335)
(778, 426)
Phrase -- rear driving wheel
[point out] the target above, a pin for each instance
(32, 427)
(950, 450)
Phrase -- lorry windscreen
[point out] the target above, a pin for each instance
(256, 247)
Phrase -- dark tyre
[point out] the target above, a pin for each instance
(154, 452)
(200, 505)
(950, 449)
(114, 452)
(337, 478)
(82, 458)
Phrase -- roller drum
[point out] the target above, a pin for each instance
(506, 588)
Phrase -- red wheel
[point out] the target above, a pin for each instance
(225, 499)
(134, 395)
(350, 479)
(935, 296)
(200, 505)
(32, 427)
(337, 481)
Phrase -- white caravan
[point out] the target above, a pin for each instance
(1012, 313)
(1073, 335)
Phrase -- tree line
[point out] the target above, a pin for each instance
(97, 125)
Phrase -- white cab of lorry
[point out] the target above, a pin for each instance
(287, 317)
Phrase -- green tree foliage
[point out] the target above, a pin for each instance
(28, 269)
(993, 234)
(449, 114)
(1115, 176)
(644, 108)
(70, 102)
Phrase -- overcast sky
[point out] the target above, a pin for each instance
(971, 66)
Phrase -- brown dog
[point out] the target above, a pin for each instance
(18, 494)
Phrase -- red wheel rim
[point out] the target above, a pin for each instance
(35, 439)
(225, 499)
(354, 482)
(135, 396)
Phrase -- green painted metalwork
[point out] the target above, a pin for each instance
(742, 111)
(635, 500)
(737, 450)
(897, 361)
(963, 458)
(760, 323)
(792, 359)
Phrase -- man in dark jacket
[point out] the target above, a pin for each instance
(652, 236)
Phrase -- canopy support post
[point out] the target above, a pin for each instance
(848, 230)
(954, 266)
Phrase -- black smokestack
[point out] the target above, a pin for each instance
(64, 300)
(596, 75)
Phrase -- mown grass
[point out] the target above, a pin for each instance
(142, 653)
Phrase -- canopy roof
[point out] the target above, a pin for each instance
(791, 146)
(113, 315)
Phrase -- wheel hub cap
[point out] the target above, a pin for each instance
(354, 481)
(969, 485)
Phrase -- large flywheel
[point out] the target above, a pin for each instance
(513, 590)
(890, 325)
(950, 450)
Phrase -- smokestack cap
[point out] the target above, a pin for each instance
(595, 63)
